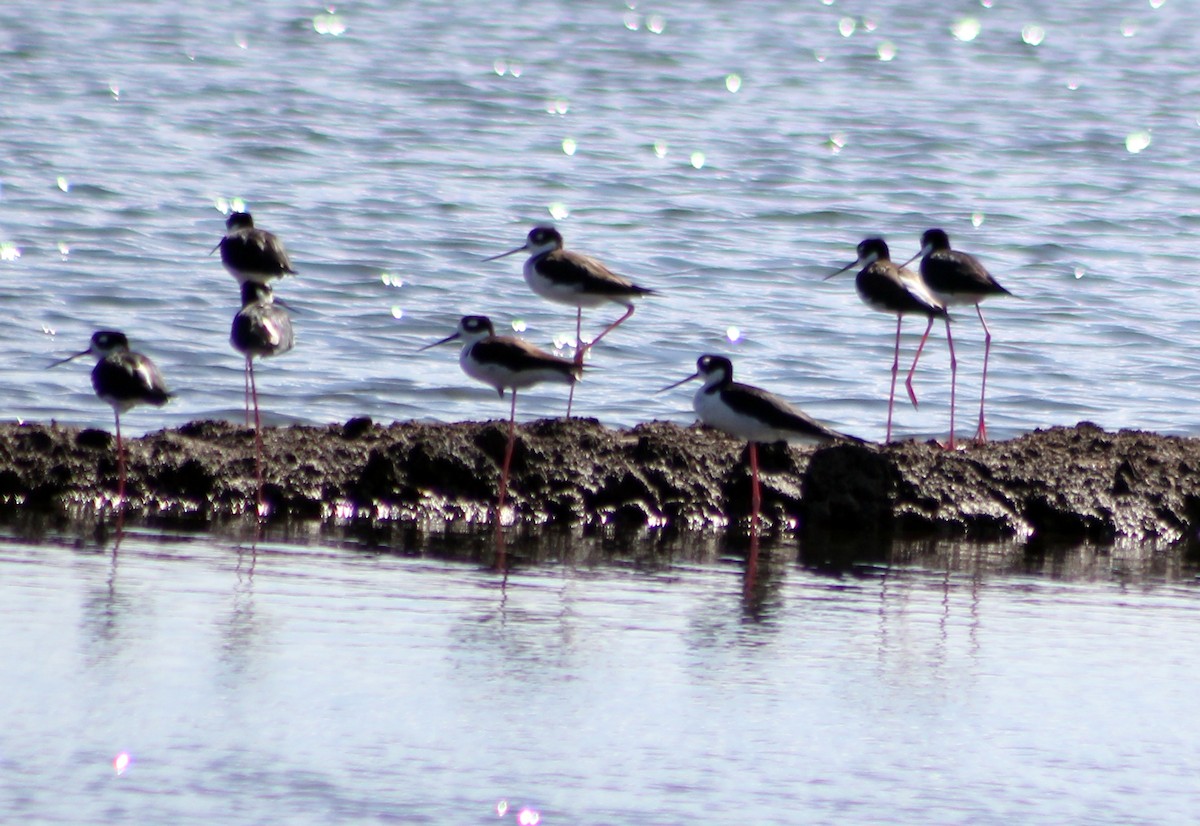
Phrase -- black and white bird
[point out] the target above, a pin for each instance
(574, 279)
(250, 253)
(260, 329)
(959, 278)
(124, 379)
(751, 413)
(888, 288)
(506, 363)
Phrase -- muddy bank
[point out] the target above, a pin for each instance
(1064, 483)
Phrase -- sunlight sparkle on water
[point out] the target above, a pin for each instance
(697, 160)
(656, 24)
(519, 325)
(558, 211)
(1079, 273)
(329, 23)
(966, 29)
(529, 817)
(228, 205)
(846, 26)
(502, 808)
(1033, 34)
(9, 251)
(632, 20)
(733, 334)
(976, 219)
(886, 51)
(391, 279)
(836, 142)
(559, 106)
(1157, 4)
(1129, 27)
(733, 83)
(660, 149)
(121, 762)
(63, 184)
(115, 91)
(1135, 142)
(64, 249)
(501, 67)
(568, 146)
(397, 312)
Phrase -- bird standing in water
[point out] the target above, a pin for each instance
(890, 289)
(250, 253)
(574, 279)
(124, 379)
(959, 278)
(504, 363)
(261, 328)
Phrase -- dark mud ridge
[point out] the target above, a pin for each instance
(1070, 483)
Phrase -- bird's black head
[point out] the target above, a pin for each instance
(108, 341)
(239, 220)
(544, 236)
(875, 249)
(709, 366)
(935, 239)
(476, 325)
(254, 292)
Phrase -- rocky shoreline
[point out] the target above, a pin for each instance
(1076, 483)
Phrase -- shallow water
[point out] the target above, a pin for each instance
(302, 683)
(394, 156)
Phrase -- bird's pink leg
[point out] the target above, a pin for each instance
(981, 433)
(908, 381)
(579, 351)
(895, 370)
(508, 453)
(610, 327)
(120, 463)
(953, 380)
(755, 494)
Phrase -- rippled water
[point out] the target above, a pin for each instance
(288, 683)
(728, 156)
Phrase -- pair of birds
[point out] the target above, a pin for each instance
(124, 378)
(947, 277)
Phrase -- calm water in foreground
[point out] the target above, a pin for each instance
(307, 683)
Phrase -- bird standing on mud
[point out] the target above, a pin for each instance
(124, 379)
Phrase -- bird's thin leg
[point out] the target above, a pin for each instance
(579, 350)
(610, 327)
(120, 463)
(953, 380)
(246, 381)
(755, 493)
(981, 433)
(908, 381)
(895, 370)
(508, 453)
(258, 440)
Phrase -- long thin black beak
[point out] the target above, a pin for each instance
(920, 252)
(68, 358)
(676, 384)
(450, 337)
(505, 254)
(217, 247)
(851, 265)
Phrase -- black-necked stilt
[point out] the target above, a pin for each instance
(261, 328)
(122, 378)
(576, 280)
(959, 278)
(506, 363)
(888, 288)
(753, 414)
(250, 253)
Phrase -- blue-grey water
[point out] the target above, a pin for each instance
(728, 155)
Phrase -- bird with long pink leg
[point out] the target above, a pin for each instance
(574, 279)
(888, 288)
(124, 379)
